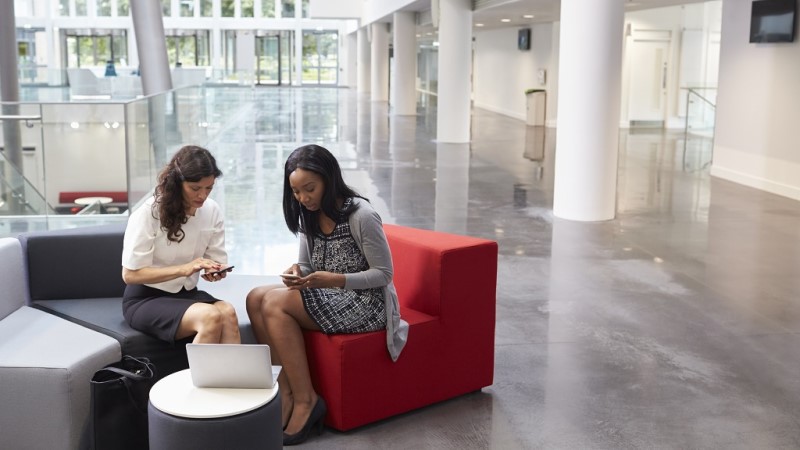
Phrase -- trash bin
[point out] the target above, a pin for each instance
(536, 99)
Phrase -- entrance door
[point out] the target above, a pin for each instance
(648, 88)
(268, 60)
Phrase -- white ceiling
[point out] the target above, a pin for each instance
(489, 13)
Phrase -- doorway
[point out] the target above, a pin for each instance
(648, 88)
(268, 60)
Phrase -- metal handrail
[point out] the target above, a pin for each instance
(27, 118)
(693, 91)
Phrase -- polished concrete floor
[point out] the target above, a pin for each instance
(675, 325)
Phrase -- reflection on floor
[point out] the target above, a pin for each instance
(676, 325)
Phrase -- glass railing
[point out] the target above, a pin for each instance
(74, 151)
(21, 171)
(70, 152)
(699, 129)
(156, 127)
(700, 110)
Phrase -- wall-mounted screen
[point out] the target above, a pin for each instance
(773, 21)
(524, 39)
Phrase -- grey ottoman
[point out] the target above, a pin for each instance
(182, 416)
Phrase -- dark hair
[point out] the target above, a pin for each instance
(320, 161)
(190, 163)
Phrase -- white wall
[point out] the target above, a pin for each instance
(502, 73)
(757, 139)
(340, 9)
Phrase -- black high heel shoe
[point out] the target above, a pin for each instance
(315, 422)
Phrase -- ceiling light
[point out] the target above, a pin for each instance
(528, 16)
(505, 20)
(478, 24)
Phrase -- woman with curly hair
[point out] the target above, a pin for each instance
(169, 241)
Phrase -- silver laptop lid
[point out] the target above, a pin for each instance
(244, 366)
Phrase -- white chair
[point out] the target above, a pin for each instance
(83, 82)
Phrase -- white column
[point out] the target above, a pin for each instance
(151, 46)
(404, 65)
(380, 62)
(350, 46)
(590, 75)
(455, 47)
(363, 55)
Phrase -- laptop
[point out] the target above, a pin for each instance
(242, 366)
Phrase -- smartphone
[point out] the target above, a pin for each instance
(226, 269)
(290, 276)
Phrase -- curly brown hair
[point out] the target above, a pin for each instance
(191, 163)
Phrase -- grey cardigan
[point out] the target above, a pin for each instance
(367, 231)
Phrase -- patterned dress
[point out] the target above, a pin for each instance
(338, 310)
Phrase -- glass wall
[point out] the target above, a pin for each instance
(188, 48)
(274, 57)
(320, 57)
(32, 54)
(93, 48)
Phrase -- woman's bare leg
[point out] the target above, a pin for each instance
(255, 301)
(286, 318)
(203, 319)
(230, 323)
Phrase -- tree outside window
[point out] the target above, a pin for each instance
(268, 8)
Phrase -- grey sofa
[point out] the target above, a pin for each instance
(76, 274)
(45, 366)
(61, 320)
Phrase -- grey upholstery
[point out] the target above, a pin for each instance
(14, 293)
(259, 429)
(45, 366)
(76, 274)
(75, 263)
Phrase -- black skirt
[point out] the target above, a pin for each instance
(158, 313)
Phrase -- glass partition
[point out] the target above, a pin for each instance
(699, 130)
(88, 163)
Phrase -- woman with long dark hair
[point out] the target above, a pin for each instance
(342, 282)
(177, 234)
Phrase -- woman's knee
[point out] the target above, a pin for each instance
(228, 312)
(274, 302)
(254, 299)
(211, 319)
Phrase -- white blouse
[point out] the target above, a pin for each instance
(146, 244)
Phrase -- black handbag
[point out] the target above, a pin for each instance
(119, 394)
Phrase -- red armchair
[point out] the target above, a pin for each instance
(446, 286)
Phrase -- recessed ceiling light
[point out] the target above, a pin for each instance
(478, 24)
(528, 16)
(505, 20)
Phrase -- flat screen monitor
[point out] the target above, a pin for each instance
(524, 39)
(773, 21)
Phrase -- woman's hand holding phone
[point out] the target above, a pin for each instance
(292, 278)
(218, 274)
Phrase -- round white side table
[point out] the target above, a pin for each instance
(182, 416)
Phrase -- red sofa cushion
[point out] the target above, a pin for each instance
(116, 196)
